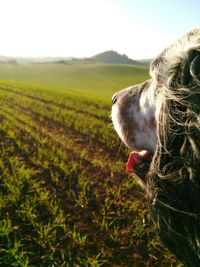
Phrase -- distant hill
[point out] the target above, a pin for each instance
(113, 57)
(108, 57)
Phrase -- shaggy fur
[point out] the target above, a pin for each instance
(173, 180)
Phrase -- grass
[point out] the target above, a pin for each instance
(97, 80)
(65, 198)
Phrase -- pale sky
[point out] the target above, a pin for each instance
(83, 28)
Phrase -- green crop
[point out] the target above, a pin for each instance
(65, 197)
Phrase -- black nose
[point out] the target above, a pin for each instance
(114, 98)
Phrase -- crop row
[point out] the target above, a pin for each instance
(96, 129)
(64, 101)
(45, 212)
(63, 202)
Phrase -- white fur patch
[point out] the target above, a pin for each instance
(116, 119)
(147, 102)
(136, 118)
(146, 140)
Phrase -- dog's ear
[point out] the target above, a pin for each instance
(190, 71)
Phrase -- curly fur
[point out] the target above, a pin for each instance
(173, 180)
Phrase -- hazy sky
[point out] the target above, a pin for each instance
(82, 28)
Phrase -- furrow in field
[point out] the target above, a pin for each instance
(83, 132)
(59, 169)
(90, 161)
(97, 112)
(83, 209)
(28, 146)
(95, 128)
(61, 158)
(87, 156)
(71, 141)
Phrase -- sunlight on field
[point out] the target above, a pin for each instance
(65, 198)
(92, 80)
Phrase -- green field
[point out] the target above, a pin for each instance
(88, 79)
(65, 197)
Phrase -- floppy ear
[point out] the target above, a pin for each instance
(190, 70)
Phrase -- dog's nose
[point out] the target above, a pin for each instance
(114, 98)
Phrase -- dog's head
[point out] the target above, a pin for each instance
(136, 109)
(162, 116)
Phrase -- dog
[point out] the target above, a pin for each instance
(161, 117)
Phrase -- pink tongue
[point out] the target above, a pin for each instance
(135, 158)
